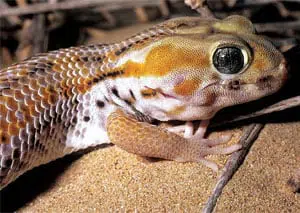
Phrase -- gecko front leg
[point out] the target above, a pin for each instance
(187, 129)
(151, 141)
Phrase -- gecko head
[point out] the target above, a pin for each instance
(195, 72)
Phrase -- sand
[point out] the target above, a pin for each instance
(111, 179)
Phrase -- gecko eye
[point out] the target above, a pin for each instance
(229, 60)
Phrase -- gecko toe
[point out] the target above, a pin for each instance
(221, 140)
(210, 164)
(224, 150)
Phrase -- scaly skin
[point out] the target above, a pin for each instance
(59, 102)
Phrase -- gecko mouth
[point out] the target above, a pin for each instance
(167, 95)
(267, 82)
(160, 91)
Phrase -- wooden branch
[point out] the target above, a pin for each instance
(108, 17)
(245, 3)
(14, 20)
(261, 2)
(141, 14)
(164, 9)
(40, 34)
(201, 7)
(278, 26)
(130, 4)
(232, 164)
(5, 57)
(21, 3)
(24, 36)
(68, 5)
(284, 44)
(55, 20)
(195, 4)
(294, 182)
(282, 105)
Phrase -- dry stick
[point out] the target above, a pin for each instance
(278, 26)
(279, 106)
(284, 44)
(25, 45)
(108, 17)
(205, 12)
(201, 7)
(294, 182)
(41, 37)
(164, 9)
(235, 160)
(67, 5)
(282, 9)
(141, 14)
(13, 19)
(261, 2)
(5, 57)
(195, 4)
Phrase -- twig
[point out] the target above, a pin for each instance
(294, 182)
(108, 17)
(56, 20)
(260, 2)
(284, 44)
(5, 57)
(25, 45)
(232, 164)
(282, 105)
(282, 10)
(141, 14)
(41, 37)
(14, 20)
(68, 5)
(195, 4)
(278, 26)
(130, 4)
(164, 9)
(200, 6)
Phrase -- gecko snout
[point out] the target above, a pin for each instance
(273, 81)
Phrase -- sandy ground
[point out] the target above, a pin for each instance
(113, 180)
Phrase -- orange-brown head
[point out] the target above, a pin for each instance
(204, 66)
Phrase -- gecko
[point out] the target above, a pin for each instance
(184, 69)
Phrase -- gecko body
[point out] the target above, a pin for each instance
(184, 69)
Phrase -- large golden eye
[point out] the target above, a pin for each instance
(229, 60)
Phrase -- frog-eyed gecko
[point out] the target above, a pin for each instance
(184, 69)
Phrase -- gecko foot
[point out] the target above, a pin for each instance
(197, 150)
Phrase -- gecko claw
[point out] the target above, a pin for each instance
(209, 164)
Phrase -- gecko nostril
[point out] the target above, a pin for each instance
(265, 82)
(236, 82)
(265, 79)
(234, 85)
